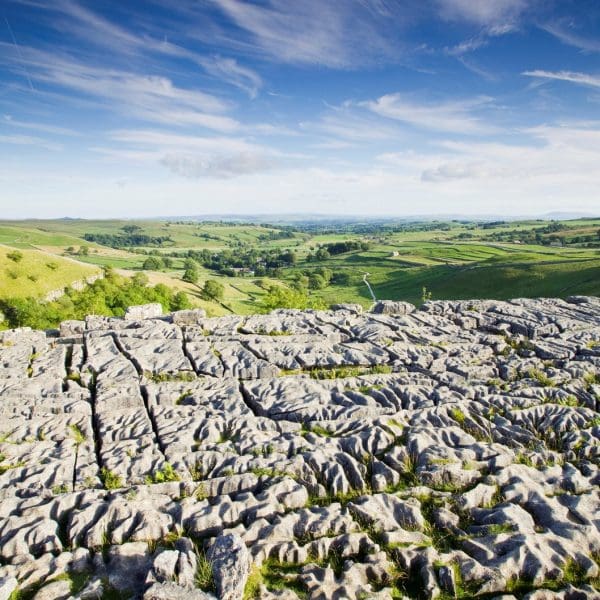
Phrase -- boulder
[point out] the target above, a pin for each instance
(144, 311)
(392, 307)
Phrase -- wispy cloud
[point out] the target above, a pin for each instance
(94, 29)
(228, 69)
(146, 97)
(570, 37)
(570, 76)
(27, 140)
(453, 116)
(8, 121)
(498, 15)
(340, 35)
(342, 124)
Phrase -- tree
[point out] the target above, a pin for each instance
(317, 282)
(322, 254)
(190, 263)
(191, 275)
(280, 297)
(153, 263)
(131, 228)
(180, 301)
(213, 290)
(341, 278)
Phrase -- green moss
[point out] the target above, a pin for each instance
(110, 479)
(77, 434)
(167, 473)
(540, 377)
(457, 414)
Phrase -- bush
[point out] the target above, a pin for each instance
(109, 296)
(15, 256)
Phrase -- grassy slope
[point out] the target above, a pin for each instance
(33, 277)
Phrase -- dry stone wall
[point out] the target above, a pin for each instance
(451, 451)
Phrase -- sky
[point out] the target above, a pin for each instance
(148, 108)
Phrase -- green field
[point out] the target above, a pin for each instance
(451, 260)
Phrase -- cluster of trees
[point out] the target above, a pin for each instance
(109, 296)
(324, 251)
(543, 236)
(286, 233)
(132, 236)
(319, 279)
(211, 290)
(156, 263)
(81, 251)
(262, 262)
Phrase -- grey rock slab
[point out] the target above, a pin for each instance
(172, 591)
(230, 563)
(188, 317)
(128, 566)
(55, 590)
(389, 307)
(144, 311)
(156, 355)
(7, 586)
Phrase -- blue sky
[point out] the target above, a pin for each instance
(378, 107)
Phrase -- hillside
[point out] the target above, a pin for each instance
(27, 272)
(444, 452)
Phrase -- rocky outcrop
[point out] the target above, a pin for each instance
(451, 450)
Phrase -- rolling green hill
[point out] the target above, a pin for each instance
(452, 260)
(27, 272)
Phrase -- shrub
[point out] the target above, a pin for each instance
(15, 256)
(110, 479)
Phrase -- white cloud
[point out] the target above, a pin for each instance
(500, 15)
(343, 34)
(223, 166)
(462, 170)
(228, 69)
(192, 156)
(571, 76)
(453, 116)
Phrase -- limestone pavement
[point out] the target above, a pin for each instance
(450, 451)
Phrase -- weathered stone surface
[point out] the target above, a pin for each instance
(453, 448)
